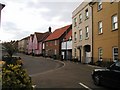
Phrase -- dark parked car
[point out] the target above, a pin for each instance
(109, 77)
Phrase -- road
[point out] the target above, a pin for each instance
(48, 73)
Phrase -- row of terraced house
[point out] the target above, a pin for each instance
(94, 35)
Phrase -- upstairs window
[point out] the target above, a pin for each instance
(114, 22)
(80, 18)
(75, 36)
(80, 34)
(99, 5)
(100, 27)
(75, 22)
(55, 42)
(86, 14)
(86, 32)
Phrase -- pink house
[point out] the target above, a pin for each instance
(30, 44)
(38, 40)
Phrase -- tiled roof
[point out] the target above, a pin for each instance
(26, 38)
(41, 36)
(38, 35)
(57, 33)
(69, 34)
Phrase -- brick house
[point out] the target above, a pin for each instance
(66, 46)
(53, 42)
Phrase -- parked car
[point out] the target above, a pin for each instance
(109, 77)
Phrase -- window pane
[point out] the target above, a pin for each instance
(86, 13)
(116, 25)
(114, 22)
(115, 18)
(100, 51)
(115, 54)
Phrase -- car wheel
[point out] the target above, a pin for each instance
(97, 80)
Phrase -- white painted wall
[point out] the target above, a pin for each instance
(69, 45)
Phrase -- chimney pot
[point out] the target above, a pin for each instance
(49, 29)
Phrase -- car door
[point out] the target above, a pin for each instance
(114, 75)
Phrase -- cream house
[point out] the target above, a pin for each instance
(22, 45)
(82, 33)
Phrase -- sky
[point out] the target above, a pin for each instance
(20, 18)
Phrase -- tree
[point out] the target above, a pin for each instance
(10, 47)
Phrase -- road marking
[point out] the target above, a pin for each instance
(85, 86)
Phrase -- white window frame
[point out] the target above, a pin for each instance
(100, 27)
(55, 51)
(86, 32)
(115, 53)
(99, 5)
(114, 22)
(80, 34)
(100, 54)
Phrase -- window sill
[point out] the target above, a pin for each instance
(74, 41)
(100, 33)
(75, 26)
(99, 9)
(111, 2)
(86, 38)
(80, 22)
(114, 29)
(80, 40)
(86, 18)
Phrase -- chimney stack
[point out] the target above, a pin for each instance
(49, 29)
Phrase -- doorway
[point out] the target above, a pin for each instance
(87, 54)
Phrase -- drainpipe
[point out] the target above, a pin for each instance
(92, 61)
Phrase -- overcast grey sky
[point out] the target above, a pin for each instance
(20, 18)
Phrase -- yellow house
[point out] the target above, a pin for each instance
(106, 31)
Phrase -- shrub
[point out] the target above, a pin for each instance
(104, 63)
(15, 77)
